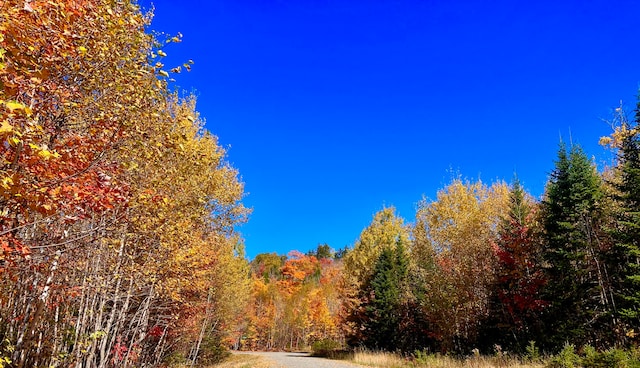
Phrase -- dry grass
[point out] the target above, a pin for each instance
(389, 360)
(379, 359)
(243, 361)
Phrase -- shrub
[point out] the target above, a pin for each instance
(612, 358)
(212, 350)
(532, 353)
(423, 357)
(325, 347)
(567, 358)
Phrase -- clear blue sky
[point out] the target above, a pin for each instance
(332, 109)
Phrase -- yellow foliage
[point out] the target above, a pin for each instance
(386, 230)
(87, 117)
(453, 240)
(5, 128)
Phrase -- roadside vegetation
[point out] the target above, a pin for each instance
(243, 361)
(568, 357)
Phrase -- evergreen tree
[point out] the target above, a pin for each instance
(384, 310)
(571, 252)
(322, 251)
(627, 231)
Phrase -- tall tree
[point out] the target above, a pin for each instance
(626, 232)
(516, 298)
(456, 263)
(385, 295)
(385, 232)
(572, 252)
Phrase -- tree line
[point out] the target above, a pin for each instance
(489, 266)
(117, 209)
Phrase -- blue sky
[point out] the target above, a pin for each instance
(332, 109)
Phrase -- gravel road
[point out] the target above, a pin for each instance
(300, 360)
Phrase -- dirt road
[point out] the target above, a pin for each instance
(300, 360)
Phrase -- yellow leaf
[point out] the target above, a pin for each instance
(82, 49)
(6, 182)
(45, 154)
(6, 128)
(162, 53)
(12, 106)
(13, 141)
(163, 73)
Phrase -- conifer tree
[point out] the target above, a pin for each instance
(384, 308)
(627, 230)
(571, 254)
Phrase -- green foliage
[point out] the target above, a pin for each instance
(175, 359)
(572, 252)
(566, 358)
(591, 358)
(325, 347)
(322, 251)
(212, 351)
(363, 305)
(532, 353)
(627, 230)
(424, 357)
(613, 358)
(383, 311)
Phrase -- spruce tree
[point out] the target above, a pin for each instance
(627, 231)
(384, 308)
(570, 251)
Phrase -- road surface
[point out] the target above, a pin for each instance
(299, 360)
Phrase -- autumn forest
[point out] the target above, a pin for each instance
(119, 242)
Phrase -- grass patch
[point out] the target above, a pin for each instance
(420, 359)
(378, 359)
(243, 361)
